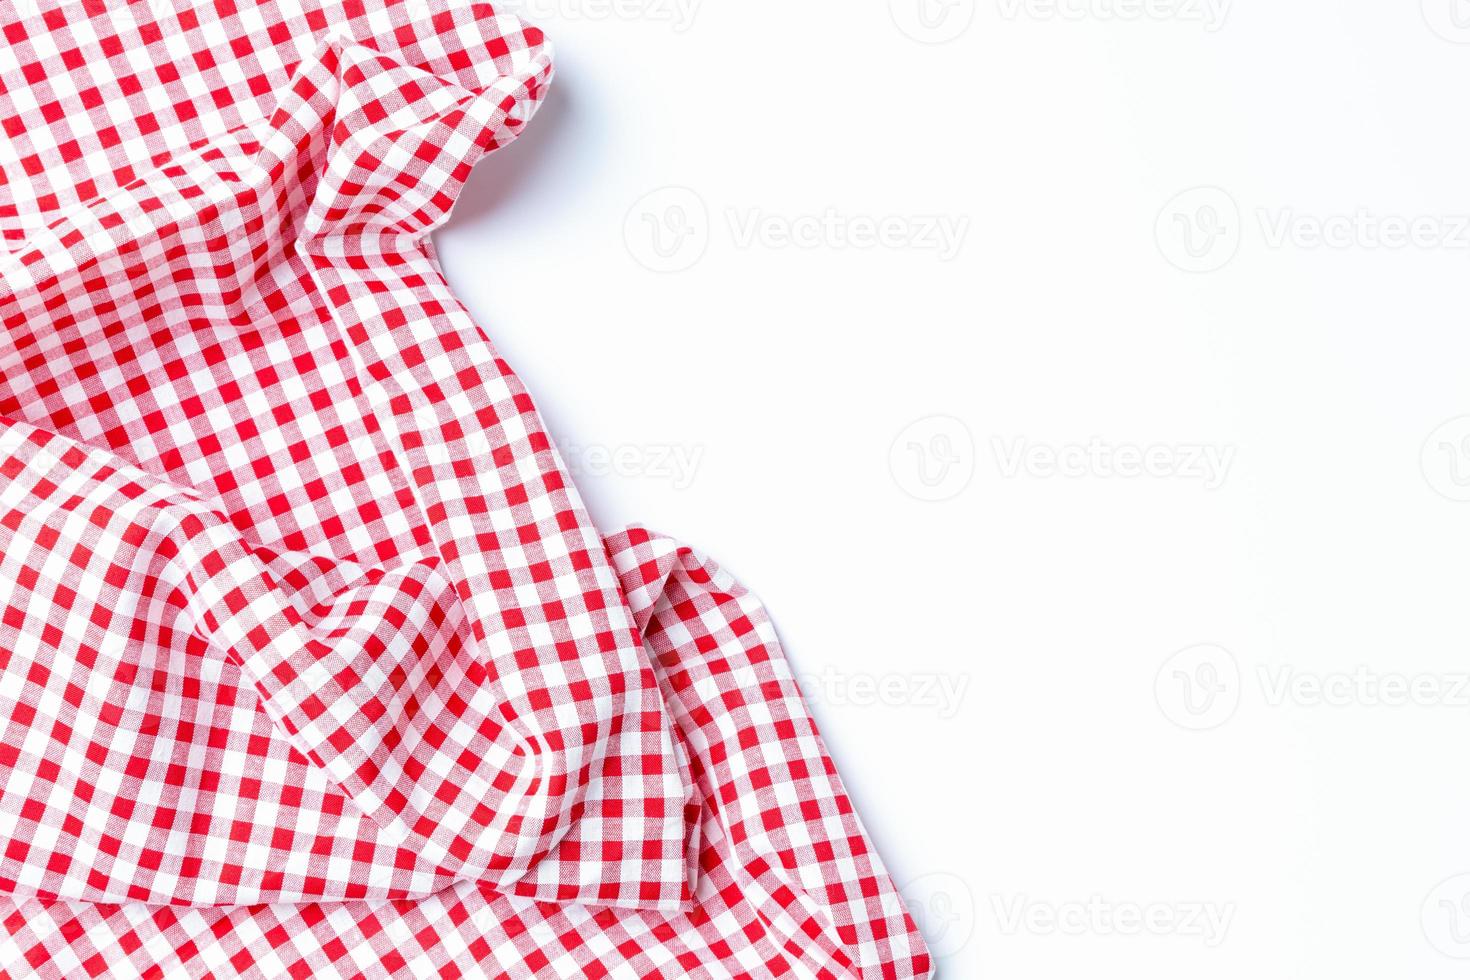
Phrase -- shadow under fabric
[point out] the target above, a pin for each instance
(312, 663)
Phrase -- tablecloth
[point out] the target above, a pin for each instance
(312, 662)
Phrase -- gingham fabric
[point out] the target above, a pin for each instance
(312, 663)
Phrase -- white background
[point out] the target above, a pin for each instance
(996, 671)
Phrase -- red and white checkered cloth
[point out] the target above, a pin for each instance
(312, 663)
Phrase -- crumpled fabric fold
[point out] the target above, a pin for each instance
(312, 662)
